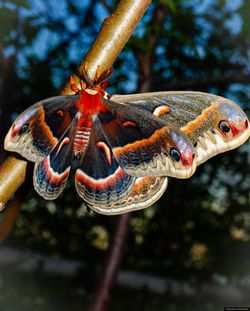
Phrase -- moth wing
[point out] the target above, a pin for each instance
(51, 174)
(145, 192)
(39, 128)
(145, 145)
(213, 124)
(99, 179)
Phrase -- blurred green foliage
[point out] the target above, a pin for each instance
(200, 228)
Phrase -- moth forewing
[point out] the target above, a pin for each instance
(200, 116)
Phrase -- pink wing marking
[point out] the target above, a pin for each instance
(65, 141)
(102, 183)
(104, 147)
(53, 176)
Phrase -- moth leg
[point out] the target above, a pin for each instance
(83, 85)
(73, 85)
(97, 74)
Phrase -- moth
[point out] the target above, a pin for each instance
(124, 147)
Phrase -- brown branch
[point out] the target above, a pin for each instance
(111, 266)
(12, 175)
(9, 218)
(114, 34)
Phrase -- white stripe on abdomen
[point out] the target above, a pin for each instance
(81, 139)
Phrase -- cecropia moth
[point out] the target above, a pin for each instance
(124, 147)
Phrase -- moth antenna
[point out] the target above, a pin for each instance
(117, 80)
(109, 72)
(87, 79)
(73, 85)
(104, 81)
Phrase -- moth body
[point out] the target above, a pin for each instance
(89, 104)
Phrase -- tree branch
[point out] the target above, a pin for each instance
(9, 218)
(12, 175)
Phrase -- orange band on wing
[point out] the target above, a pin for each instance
(47, 131)
(208, 113)
(156, 136)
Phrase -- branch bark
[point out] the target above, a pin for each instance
(114, 34)
(12, 175)
(9, 218)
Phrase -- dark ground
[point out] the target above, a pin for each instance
(22, 291)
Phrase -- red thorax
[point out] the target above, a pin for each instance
(91, 101)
